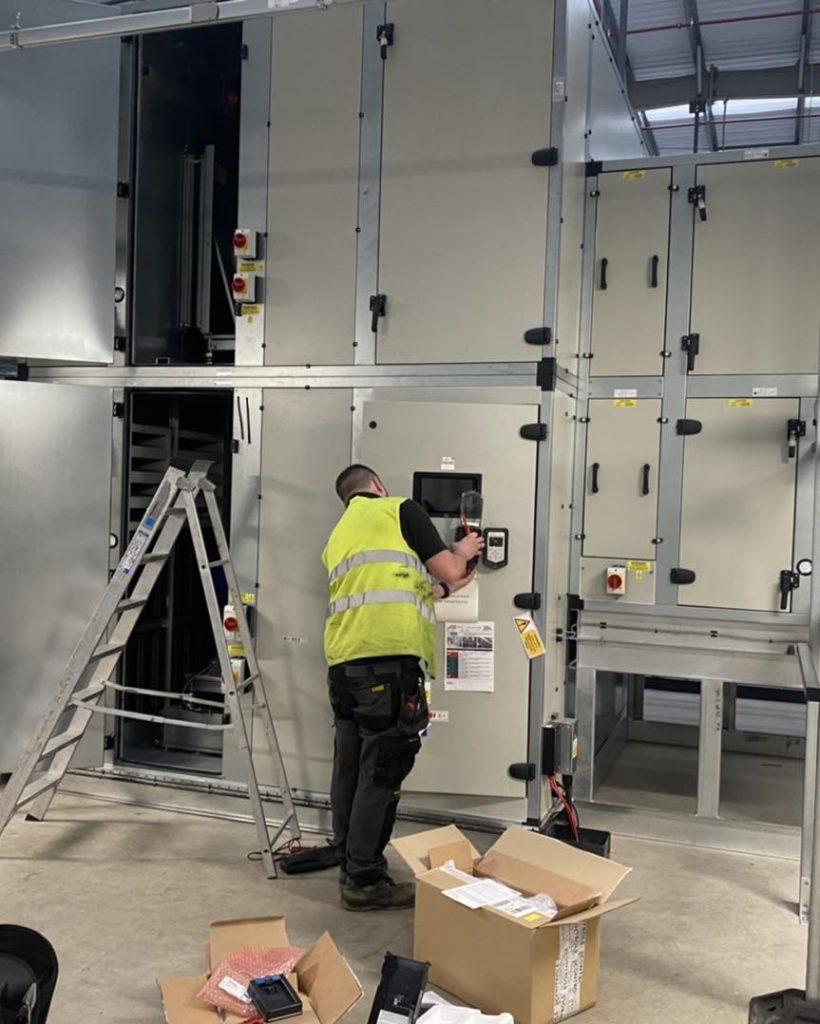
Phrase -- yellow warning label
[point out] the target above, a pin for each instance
(532, 917)
(634, 175)
(251, 309)
(625, 403)
(639, 566)
(250, 266)
(236, 650)
(785, 165)
(740, 403)
(248, 598)
(530, 637)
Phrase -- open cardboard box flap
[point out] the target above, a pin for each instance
(322, 976)
(586, 869)
(416, 850)
(570, 897)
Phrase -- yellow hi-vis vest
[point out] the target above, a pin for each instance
(381, 595)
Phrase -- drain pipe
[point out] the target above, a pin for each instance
(18, 37)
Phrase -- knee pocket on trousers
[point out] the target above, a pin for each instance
(395, 760)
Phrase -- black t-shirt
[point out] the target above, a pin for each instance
(417, 528)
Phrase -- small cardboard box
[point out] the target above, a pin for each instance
(328, 987)
(539, 970)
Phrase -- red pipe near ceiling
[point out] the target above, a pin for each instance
(721, 21)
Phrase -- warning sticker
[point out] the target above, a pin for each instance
(569, 970)
(786, 165)
(439, 716)
(135, 549)
(530, 637)
(625, 403)
(634, 175)
(740, 403)
(250, 266)
(639, 566)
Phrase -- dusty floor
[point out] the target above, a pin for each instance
(126, 895)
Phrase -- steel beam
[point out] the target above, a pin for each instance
(669, 92)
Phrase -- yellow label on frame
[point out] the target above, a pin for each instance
(740, 403)
(625, 403)
(634, 175)
(785, 165)
(639, 566)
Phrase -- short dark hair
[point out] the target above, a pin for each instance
(354, 479)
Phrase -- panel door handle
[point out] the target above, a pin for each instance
(604, 265)
(595, 467)
(653, 271)
(645, 479)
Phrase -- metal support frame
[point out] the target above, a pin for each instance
(802, 124)
(709, 748)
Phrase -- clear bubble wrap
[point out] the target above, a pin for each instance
(241, 967)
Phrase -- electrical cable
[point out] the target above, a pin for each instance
(568, 810)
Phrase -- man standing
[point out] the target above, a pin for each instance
(386, 565)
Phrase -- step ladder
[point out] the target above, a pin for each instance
(88, 673)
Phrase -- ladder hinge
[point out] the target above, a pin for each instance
(538, 336)
(681, 576)
(530, 601)
(120, 342)
(545, 157)
(234, 446)
(123, 190)
(118, 410)
(789, 581)
(690, 343)
(545, 379)
(686, 428)
(795, 430)
(384, 35)
(593, 168)
(378, 308)
(697, 197)
(534, 431)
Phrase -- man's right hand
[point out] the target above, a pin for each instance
(460, 584)
(470, 546)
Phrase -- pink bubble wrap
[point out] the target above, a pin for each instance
(243, 966)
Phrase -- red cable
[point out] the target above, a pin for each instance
(573, 823)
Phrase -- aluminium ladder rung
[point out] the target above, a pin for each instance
(131, 602)
(63, 740)
(48, 780)
(87, 693)
(154, 556)
(106, 650)
(219, 561)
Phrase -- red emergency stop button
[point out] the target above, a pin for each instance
(240, 284)
(231, 623)
(240, 240)
(614, 582)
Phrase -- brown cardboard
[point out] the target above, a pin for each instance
(415, 849)
(460, 853)
(328, 987)
(498, 963)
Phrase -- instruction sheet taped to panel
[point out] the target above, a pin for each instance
(469, 655)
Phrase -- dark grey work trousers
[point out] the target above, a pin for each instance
(380, 708)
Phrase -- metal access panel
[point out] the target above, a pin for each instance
(631, 256)
(306, 439)
(755, 300)
(737, 519)
(55, 467)
(310, 286)
(621, 482)
(58, 191)
(463, 209)
(470, 752)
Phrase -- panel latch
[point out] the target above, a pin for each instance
(690, 343)
(697, 197)
(378, 307)
(789, 581)
(529, 602)
(795, 429)
(384, 35)
(681, 577)
(545, 157)
(687, 428)
(534, 431)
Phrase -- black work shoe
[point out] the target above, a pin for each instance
(383, 895)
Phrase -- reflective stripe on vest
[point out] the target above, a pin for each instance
(344, 604)
(373, 558)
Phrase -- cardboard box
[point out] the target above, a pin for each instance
(539, 970)
(328, 987)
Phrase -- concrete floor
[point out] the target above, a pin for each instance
(126, 894)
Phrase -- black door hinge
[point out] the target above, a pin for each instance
(120, 341)
(545, 157)
(244, 52)
(687, 428)
(118, 410)
(697, 197)
(534, 431)
(795, 429)
(378, 307)
(123, 190)
(593, 168)
(546, 377)
(524, 771)
(682, 577)
(538, 336)
(530, 601)
(789, 581)
(234, 446)
(690, 343)
(384, 35)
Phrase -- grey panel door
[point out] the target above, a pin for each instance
(55, 481)
(738, 502)
(463, 209)
(486, 732)
(756, 270)
(314, 160)
(59, 110)
(629, 289)
(621, 484)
